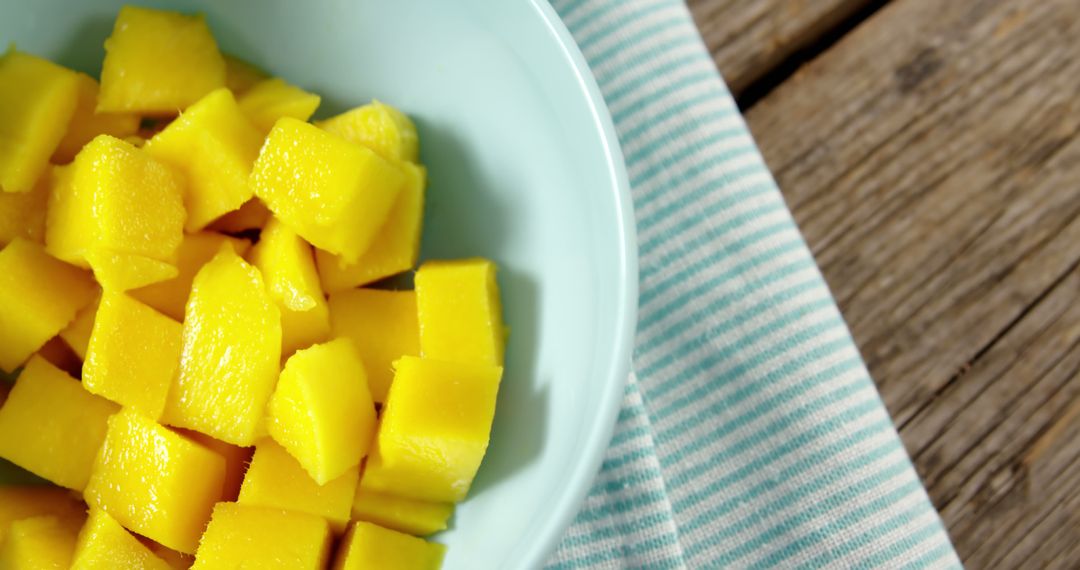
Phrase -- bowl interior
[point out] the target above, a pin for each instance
(523, 168)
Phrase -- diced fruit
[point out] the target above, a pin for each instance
(155, 482)
(231, 353)
(158, 62)
(39, 543)
(251, 216)
(25, 501)
(60, 355)
(77, 334)
(288, 266)
(419, 518)
(104, 544)
(51, 426)
(370, 546)
(396, 246)
(244, 536)
(322, 411)
(236, 460)
(86, 123)
(196, 250)
(175, 560)
(115, 198)
(382, 325)
(273, 99)
(430, 447)
(240, 76)
(460, 312)
(123, 271)
(276, 479)
(133, 354)
(335, 194)
(37, 100)
(379, 127)
(22, 214)
(39, 296)
(214, 145)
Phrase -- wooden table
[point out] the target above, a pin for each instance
(930, 151)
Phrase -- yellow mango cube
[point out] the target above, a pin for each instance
(276, 479)
(245, 536)
(214, 145)
(77, 334)
(430, 447)
(240, 76)
(115, 198)
(24, 501)
(231, 353)
(273, 99)
(39, 296)
(39, 543)
(170, 297)
(236, 460)
(377, 126)
(370, 546)
(411, 516)
(396, 246)
(158, 62)
(133, 354)
(335, 194)
(382, 325)
(154, 481)
(51, 426)
(123, 271)
(288, 266)
(251, 216)
(105, 545)
(86, 123)
(37, 100)
(321, 411)
(460, 311)
(22, 214)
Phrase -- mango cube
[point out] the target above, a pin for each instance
(236, 460)
(39, 296)
(104, 544)
(231, 353)
(155, 482)
(419, 518)
(322, 411)
(428, 447)
(377, 126)
(335, 194)
(245, 536)
(51, 426)
(196, 250)
(77, 334)
(123, 271)
(240, 76)
(251, 216)
(115, 198)
(276, 479)
(86, 123)
(273, 99)
(39, 543)
(214, 145)
(133, 354)
(396, 246)
(25, 501)
(22, 214)
(288, 266)
(460, 312)
(382, 325)
(37, 100)
(158, 62)
(370, 546)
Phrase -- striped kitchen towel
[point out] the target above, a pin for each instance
(752, 435)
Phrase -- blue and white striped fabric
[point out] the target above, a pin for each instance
(752, 435)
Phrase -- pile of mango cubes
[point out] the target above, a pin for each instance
(202, 366)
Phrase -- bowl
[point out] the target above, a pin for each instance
(524, 168)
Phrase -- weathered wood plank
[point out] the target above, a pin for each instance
(749, 38)
(932, 158)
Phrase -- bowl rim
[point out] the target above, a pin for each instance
(601, 426)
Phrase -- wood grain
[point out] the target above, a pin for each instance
(932, 158)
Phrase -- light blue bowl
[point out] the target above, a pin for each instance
(524, 168)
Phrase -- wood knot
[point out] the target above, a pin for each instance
(914, 72)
